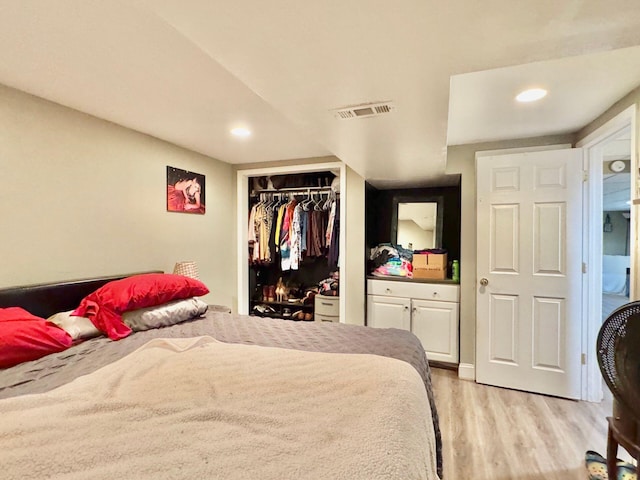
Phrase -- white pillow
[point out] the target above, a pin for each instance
(164, 315)
(79, 328)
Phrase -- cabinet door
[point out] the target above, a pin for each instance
(388, 312)
(436, 325)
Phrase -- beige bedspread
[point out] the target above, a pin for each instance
(202, 409)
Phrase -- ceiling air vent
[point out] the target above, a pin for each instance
(364, 110)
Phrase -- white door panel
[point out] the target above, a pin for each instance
(549, 327)
(529, 250)
(505, 228)
(504, 325)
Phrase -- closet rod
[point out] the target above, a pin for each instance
(295, 191)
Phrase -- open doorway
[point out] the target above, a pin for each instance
(616, 225)
(616, 222)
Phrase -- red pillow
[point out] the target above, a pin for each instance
(16, 313)
(25, 337)
(105, 306)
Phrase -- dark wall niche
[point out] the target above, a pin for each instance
(379, 205)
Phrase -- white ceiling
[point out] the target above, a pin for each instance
(187, 71)
(616, 192)
(580, 88)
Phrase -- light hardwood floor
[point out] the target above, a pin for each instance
(492, 433)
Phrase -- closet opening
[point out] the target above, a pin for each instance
(293, 238)
(291, 243)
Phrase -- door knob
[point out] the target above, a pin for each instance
(484, 282)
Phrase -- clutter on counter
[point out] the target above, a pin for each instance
(391, 260)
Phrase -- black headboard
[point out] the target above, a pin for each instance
(45, 299)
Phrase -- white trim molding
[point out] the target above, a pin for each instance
(592, 146)
(509, 151)
(467, 371)
(620, 121)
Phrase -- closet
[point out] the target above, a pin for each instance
(293, 242)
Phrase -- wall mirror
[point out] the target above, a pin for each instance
(417, 223)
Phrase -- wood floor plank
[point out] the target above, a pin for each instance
(492, 433)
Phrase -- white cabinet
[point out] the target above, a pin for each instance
(436, 325)
(388, 312)
(429, 310)
(326, 309)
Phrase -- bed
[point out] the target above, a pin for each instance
(219, 396)
(615, 280)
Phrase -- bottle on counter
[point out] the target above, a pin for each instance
(455, 271)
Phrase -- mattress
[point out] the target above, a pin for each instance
(199, 408)
(59, 369)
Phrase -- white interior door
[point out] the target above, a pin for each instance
(529, 271)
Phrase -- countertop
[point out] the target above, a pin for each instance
(412, 280)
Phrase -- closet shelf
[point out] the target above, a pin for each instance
(296, 190)
(284, 304)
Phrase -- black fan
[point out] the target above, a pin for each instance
(619, 359)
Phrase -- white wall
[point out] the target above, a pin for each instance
(353, 260)
(616, 242)
(83, 197)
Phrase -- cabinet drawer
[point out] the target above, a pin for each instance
(329, 306)
(326, 318)
(409, 289)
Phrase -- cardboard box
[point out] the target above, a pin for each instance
(430, 273)
(424, 260)
(431, 266)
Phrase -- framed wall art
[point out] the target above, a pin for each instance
(185, 191)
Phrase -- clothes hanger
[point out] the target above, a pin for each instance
(306, 202)
(272, 201)
(327, 203)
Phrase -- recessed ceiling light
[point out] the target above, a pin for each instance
(241, 132)
(531, 95)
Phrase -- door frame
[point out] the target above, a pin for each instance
(242, 217)
(592, 146)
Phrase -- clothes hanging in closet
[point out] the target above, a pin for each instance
(316, 233)
(334, 238)
(288, 232)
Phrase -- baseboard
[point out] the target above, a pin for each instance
(467, 371)
(444, 365)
